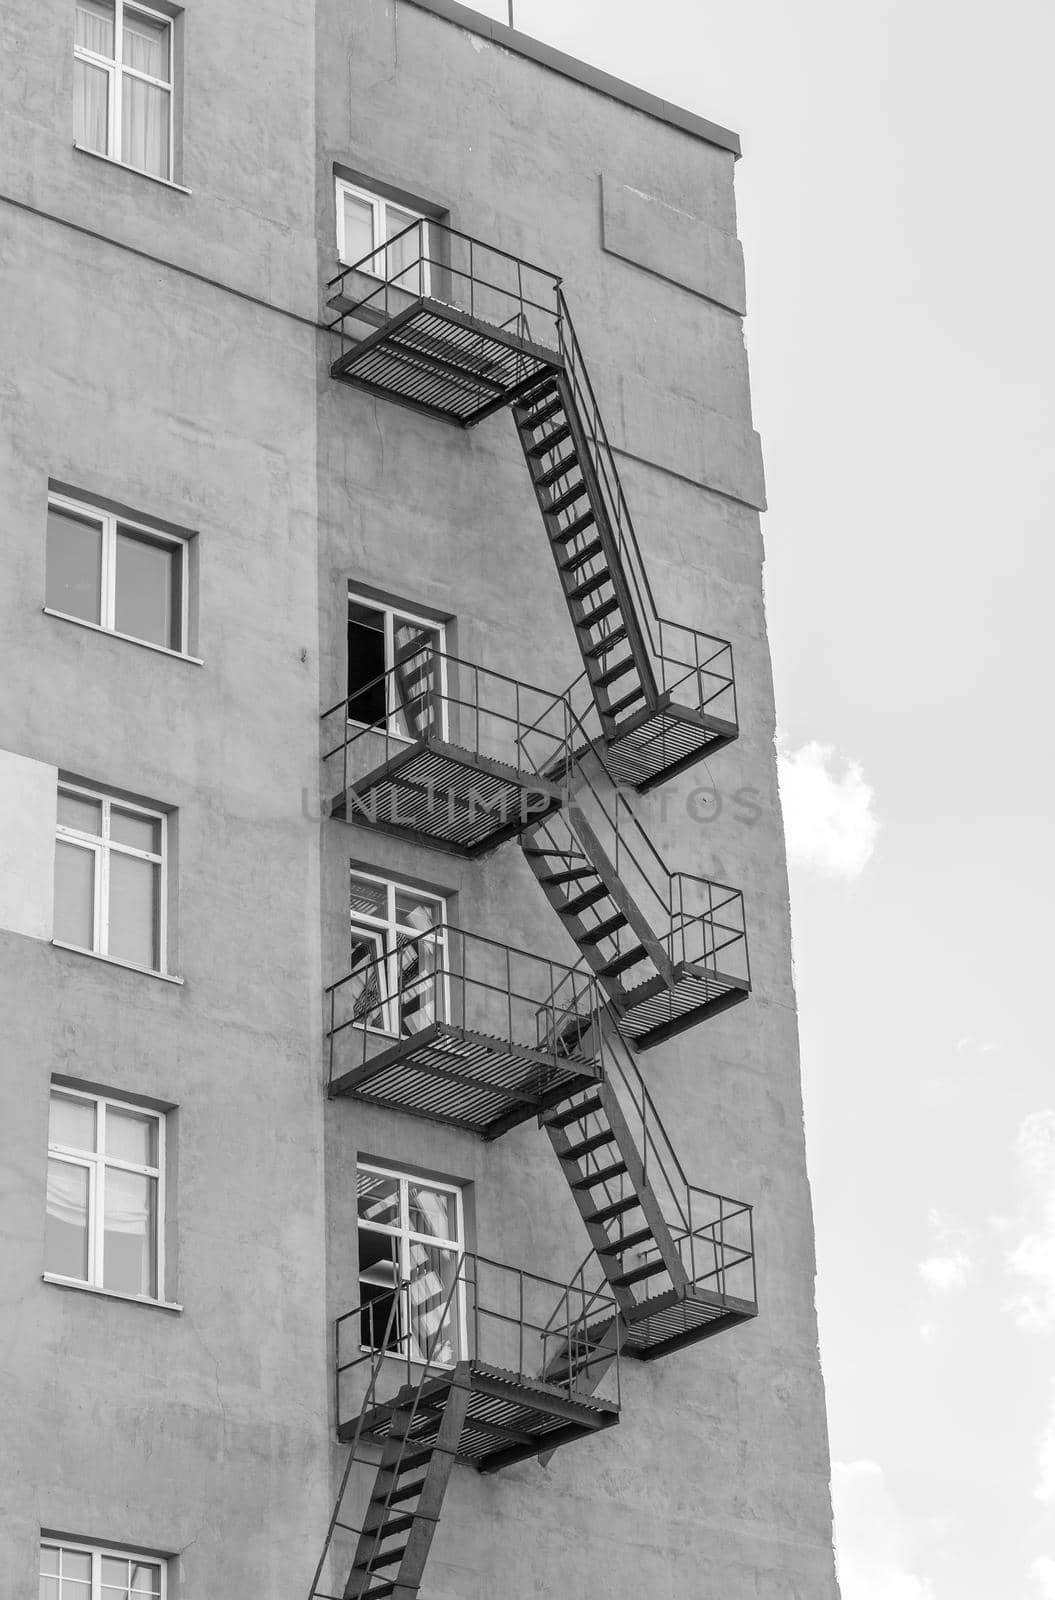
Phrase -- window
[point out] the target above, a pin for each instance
(105, 1195)
(410, 1248)
(110, 886)
(123, 84)
(118, 575)
(399, 949)
(397, 677)
(365, 221)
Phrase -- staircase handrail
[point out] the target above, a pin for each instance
(607, 474)
(669, 892)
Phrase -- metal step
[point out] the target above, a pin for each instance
(596, 582)
(577, 1151)
(388, 1530)
(580, 525)
(603, 1175)
(627, 1241)
(563, 469)
(649, 1270)
(609, 642)
(626, 958)
(381, 1592)
(627, 700)
(535, 419)
(407, 1492)
(387, 1558)
(564, 1118)
(572, 876)
(568, 498)
(550, 442)
(616, 1209)
(412, 1458)
(598, 612)
(603, 929)
(580, 558)
(589, 897)
(615, 672)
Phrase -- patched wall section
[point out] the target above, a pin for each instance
(28, 791)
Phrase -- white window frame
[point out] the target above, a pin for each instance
(387, 930)
(103, 846)
(115, 68)
(406, 1236)
(391, 615)
(379, 208)
(96, 1163)
(111, 522)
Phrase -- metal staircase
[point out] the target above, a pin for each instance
(668, 948)
(493, 331)
(677, 1259)
(509, 1370)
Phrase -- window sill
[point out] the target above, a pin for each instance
(129, 638)
(166, 183)
(113, 961)
(110, 1294)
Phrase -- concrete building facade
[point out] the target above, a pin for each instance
(176, 851)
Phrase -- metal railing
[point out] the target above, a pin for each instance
(691, 917)
(713, 1235)
(371, 1396)
(680, 655)
(512, 996)
(433, 694)
(490, 1313)
(430, 259)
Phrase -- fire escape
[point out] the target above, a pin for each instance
(497, 1365)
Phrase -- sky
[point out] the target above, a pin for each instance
(895, 203)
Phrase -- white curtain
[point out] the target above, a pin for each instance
(145, 126)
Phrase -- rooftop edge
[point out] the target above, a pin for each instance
(580, 72)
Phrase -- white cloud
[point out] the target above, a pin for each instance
(1042, 1575)
(869, 1537)
(950, 1267)
(829, 819)
(1032, 1260)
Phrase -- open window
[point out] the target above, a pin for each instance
(411, 1240)
(399, 969)
(397, 679)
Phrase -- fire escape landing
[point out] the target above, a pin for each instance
(485, 1036)
(460, 759)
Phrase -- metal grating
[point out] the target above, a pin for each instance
(472, 1080)
(529, 1407)
(444, 796)
(652, 749)
(664, 1010)
(443, 363)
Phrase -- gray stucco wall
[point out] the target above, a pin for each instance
(208, 1432)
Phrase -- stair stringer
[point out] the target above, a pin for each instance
(599, 859)
(580, 453)
(365, 1581)
(609, 1114)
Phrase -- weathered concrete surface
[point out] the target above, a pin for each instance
(673, 244)
(208, 1433)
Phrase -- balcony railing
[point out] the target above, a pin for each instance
(463, 1029)
(531, 1332)
(446, 752)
